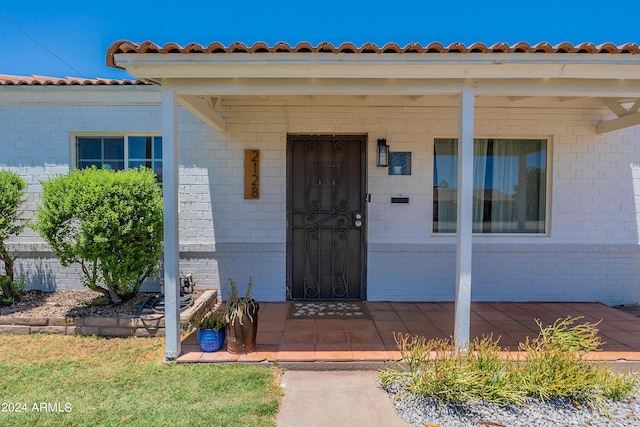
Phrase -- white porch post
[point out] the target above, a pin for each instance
(171, 248)
(462, 325)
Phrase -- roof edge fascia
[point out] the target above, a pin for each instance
(331, 65)
(80, 95)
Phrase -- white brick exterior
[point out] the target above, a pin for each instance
(591, 252)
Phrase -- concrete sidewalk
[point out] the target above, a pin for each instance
(336, 399)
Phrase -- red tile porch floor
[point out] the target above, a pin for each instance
(282, 340)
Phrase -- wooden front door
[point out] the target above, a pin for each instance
(326, 221)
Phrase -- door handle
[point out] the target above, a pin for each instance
(358, 221)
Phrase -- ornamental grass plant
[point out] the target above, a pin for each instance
(433, 368)
(553, 366)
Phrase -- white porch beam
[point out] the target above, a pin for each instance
(171, 235)
(571, 98)
(620, 123)
(519, 98)
(260, 87)
(199, 108)
(615, 107)
(462, 325)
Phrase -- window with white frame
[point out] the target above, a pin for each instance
(509, 185)
(120, 152)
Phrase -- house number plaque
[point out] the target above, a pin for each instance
(251, 174)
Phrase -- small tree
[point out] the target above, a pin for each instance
(12, 192)
(108, 222)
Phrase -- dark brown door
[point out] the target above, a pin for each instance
(326, 217)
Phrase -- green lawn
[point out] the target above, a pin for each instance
(52, 380)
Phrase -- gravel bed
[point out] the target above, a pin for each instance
(427, 412)
(68, 304)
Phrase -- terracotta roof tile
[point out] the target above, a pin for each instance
(10, 80)
(123, 46)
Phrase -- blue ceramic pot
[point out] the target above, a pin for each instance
(210, 340)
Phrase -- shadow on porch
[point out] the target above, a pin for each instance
(282, 340)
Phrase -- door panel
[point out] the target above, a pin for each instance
(326, 254)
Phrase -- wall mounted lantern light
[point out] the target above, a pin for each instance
(383, 153)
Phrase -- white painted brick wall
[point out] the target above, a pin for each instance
(591, 252)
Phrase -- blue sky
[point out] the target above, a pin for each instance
(70, 38)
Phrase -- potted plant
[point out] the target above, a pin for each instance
(241, 317)
(211, 332)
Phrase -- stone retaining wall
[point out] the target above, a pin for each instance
(121, 326)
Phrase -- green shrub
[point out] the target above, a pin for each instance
(212, 320)
(12, 192)
(108, 222)
(11, 290)
(553, 367)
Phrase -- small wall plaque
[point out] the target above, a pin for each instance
(251, 174)
(400, 163)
